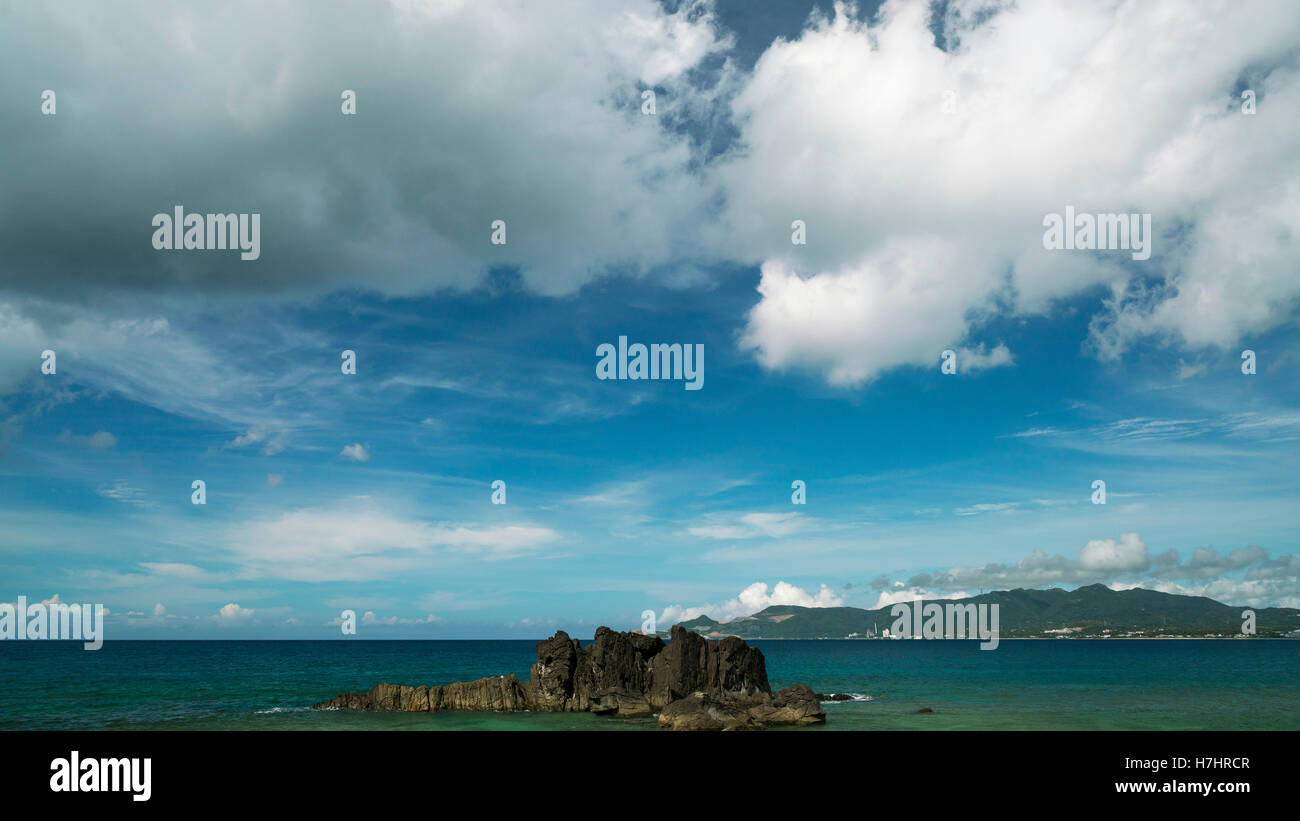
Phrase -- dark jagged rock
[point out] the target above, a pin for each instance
(793, 705)
(690, 663)
(691, 683)
(552, 673)
(699, 711)
(797, 705)
(496, 694)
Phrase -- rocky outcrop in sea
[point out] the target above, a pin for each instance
(690, 683)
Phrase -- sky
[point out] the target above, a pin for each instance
(921, 146)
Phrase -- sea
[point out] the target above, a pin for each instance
(1064, 684)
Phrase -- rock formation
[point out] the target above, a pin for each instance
(690, 682)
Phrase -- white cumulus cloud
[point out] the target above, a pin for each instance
(233, 614)
(1129, 552)
(752, 599)
(924, 221)
(357, 452)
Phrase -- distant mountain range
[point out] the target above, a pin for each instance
(1092, 611)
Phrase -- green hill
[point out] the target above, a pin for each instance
(1094, 610)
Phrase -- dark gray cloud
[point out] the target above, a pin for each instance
(467, 113)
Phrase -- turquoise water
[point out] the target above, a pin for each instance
(1063, 684)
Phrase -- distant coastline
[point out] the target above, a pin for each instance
(1094, 611)
(1018, 638)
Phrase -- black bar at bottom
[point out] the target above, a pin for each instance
(516, 771)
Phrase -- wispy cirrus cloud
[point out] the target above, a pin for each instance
(1246, 428)
(750, 525)
(122, 491)
(355, 543)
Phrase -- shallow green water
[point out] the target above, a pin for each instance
(1064, 684)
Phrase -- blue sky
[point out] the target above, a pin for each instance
(477, 363)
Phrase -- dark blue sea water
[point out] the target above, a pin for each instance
(1061, 684)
